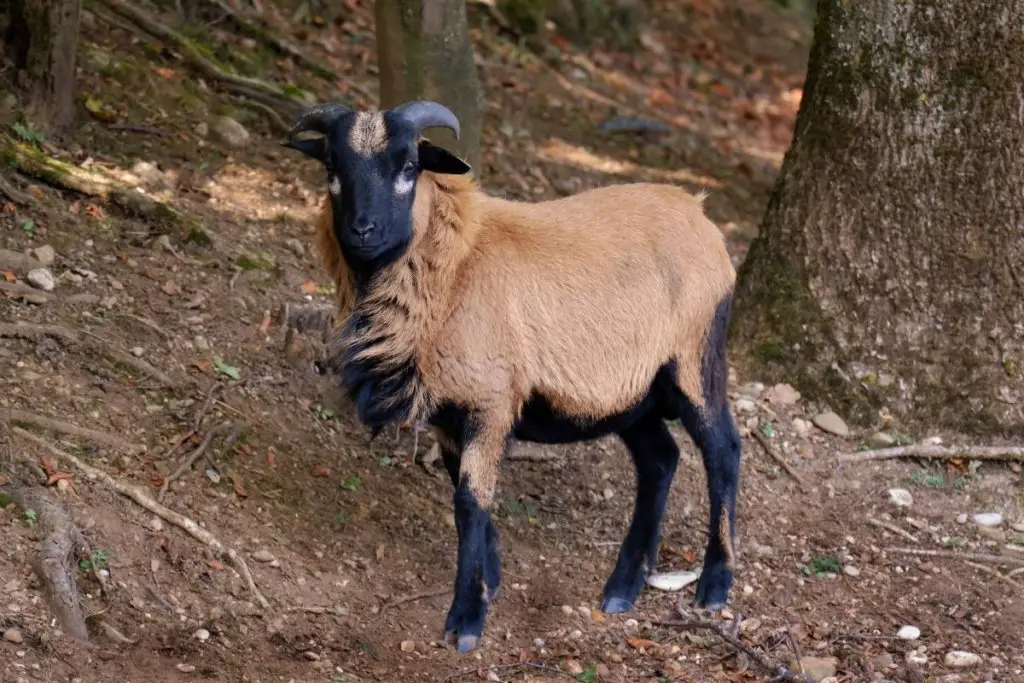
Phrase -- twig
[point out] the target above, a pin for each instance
(14, 194)
(276, 122)
(187, 464)
(893, 528)
(136, 494)
(977, 557)
(993, 572)
(139, 128)
(20, 290)
(151, 324)
(194, 57)
(778, 458)
(1004, 453)
(533, 457)
(30, 331)
(780, 670)
(414, 597)
(315, 609)
(14, 415)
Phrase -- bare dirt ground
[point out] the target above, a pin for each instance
(352, 543)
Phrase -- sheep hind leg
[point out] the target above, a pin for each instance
(655, 456)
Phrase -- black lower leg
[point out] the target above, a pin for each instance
(655, 456)
(492, 561)
(720, 447)
(465, 622)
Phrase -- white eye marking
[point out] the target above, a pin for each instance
(404, 184)
(334, 186)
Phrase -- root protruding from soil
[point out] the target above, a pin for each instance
(999, 453)
(14, 415)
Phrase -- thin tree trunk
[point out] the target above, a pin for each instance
(890, 265)
(424, 52)
(42, 39)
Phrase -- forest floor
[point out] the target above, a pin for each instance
(350, 543)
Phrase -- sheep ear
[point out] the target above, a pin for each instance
(314, 148)
(439, 160)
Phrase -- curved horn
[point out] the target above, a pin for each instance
(318, 118)
(426, 114)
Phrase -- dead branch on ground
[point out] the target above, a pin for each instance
(18, 290)
(30, 331)
(1001, 453)
(200, 451)
(721, 629)
(414, 597)
(56, 564)
(977, 557)
(229, 81)
(141, 497)
(14, 194)
(992, 572)
(13, 415)
(778, 458)
(315, 609)
(893, 528)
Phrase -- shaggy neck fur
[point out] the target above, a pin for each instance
(394, 314)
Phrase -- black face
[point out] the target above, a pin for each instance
(373, 161)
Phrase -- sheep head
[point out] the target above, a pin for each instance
(372, 161)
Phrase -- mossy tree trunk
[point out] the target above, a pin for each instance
(890, 265)
(424, 52)
(42, 40)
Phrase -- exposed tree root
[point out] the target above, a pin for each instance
(1004, 453)
(18, 290)
(13, 415)
(778, 458)
(977, 557)
(414, 597)
(893, 528)
(722, 630)
(142, 498)
(14, 194)
(200, 451)
(238, 84)
(992, 572)
(29, 331)
(56, 565)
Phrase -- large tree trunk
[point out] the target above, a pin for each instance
(42, 39)
(890, 265)
(424, 52)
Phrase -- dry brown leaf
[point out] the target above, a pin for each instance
(271, 458)
(308, 287)
(203, 365)
(214, 564)
(157, 481)
(641, 644)
(57, 476)
(240, 489)
(321, 471)
(3, 481)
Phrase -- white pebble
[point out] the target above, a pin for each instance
(671, 581)
(850, 570)
(41, 278)
(748, 589)
(137, 351)
(567, 610)
(609, 493)
(958, 659)
(988, 519)
(202, 635)
(961, 518)
(918, 658)
(909, 632)
(901, 498)
(744, 405)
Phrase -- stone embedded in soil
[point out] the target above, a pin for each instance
(263, 556)
(817, 667)
(41, 278)
(297, 247)
(744, 405)
(202, 635)
(959, 659)
(1018, 526)
(13, 635)
(408, 645)
(567, 610)
(831, 423)
(901, 498)
(45, 254)
(882, 662)
(782, 395)
(917, 658)
(311, 656)
(961, 518)
(988, 519)
(671, 581)
(801, 427)
(881, 440)
(230, 132)
(156, 524)
(185, 668)
(850, 570)
(909, 632)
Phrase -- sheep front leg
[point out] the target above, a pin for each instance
(478, 573)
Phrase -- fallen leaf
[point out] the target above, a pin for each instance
(214, 564)
(48, 465)
(271, 458)
(57, 476)
(308, 287)
(157, 481)
(640, 643)
(226, 369)
(321, 471)
(202, 364)
(8, 275)
(93, 211)
(171, 287)
(240, 489)
(3, 481)
(164, 72)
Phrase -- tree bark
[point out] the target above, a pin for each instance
(889, 269)
(424, 52)
(42, 40)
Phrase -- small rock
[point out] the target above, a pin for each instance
(909, 632)
(818, 667)
(949, 678)
(41, 278)
(538, 642)
(17, 261)
(202, 635)
(671, 581)
(782, 395)
(881, 440)
(201, 343)
(608, 493)
(408, 645)
(603, 671)
(72, 278)
(311, 656)
(801, 427)
(961, 518)
(959, 659)
(297, 247)
(45, 254)
(156, 524)
(13, 635)
(916, 658)
(574, 667)
(901, 498)
(185, 668)
(631, 626)
(850, 570)
(748, 589)
(988, 519)
(831, 423)
(752, 390)
(744, 405)
(163, 242)
(263, 555)
(138, 351)
(202, 130)
(882, 662)
(997, 535)
(230, 132)
(1018, 526)
(567, 611)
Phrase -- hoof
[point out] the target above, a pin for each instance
(468, 643)
(616, 606)
(713, 589)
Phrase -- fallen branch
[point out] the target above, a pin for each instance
(142, 498)
(199, 451)
(314, 609)
(993, 572)
(977, 557)
(778, 458)
(893, 528)
(13, 415)
(56, 564)
(30, 331)
(14, 194)
(18, 290)
(1003, 453)
(230, 81)
(414, 597)
(722, 631)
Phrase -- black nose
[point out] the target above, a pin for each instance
(363, 226)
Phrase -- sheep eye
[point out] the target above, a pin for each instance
(409, 167)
